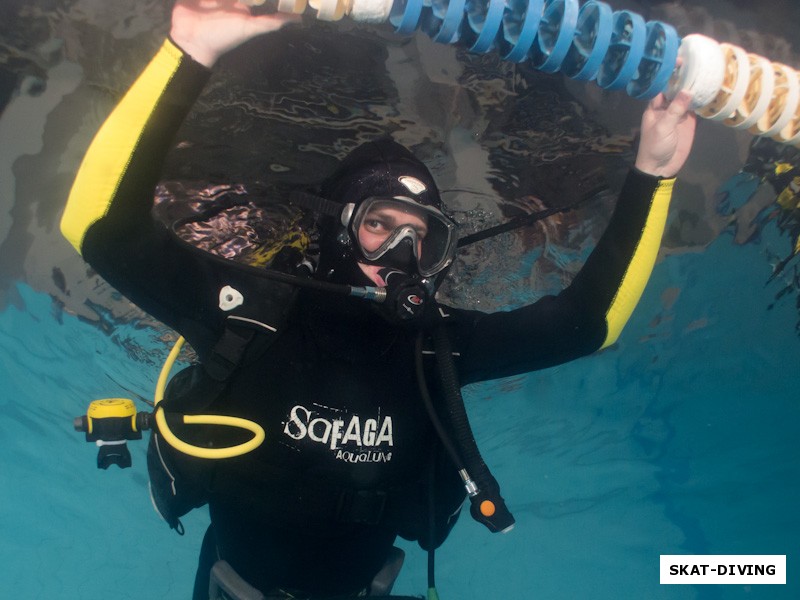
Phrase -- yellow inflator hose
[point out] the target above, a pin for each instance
(190, 449)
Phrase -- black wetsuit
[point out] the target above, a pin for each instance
(348, 444)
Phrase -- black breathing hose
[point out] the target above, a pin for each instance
(444, 436)
(487, 506)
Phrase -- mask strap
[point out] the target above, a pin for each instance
(316, 203)
(525, 220)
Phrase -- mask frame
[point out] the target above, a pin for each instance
(432, 253)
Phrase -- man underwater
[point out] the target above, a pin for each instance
(352, 455)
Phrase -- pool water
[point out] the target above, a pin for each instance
(682, 438)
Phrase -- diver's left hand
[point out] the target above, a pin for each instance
(667, 135)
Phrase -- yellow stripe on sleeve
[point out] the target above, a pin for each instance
(641, 264)
(106, 160)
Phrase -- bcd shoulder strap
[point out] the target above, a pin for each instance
(229, 351)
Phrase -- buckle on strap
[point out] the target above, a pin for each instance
(361, 506)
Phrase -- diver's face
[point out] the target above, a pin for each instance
(380, 223)
(382, 220)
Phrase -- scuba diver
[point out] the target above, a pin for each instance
(342, 385)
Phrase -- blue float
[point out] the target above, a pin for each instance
(625, 52)
(658, 62)
(486, 21)
(405, 16)
(556, 32)
(520, 26)
(443, 23)
(591, 42)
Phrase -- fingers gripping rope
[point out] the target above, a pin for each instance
(618, 50)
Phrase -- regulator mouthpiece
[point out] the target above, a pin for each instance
(406, 295)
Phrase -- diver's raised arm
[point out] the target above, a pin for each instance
(667, 135)
(591, 313)
(207, 29)
(613, 279)
(123, 163)
(108, 217)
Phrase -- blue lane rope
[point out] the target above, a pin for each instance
(486, 21)
(405, 16)
(556, 34)
(658, 62)
(625, 52)
(592, 39)
(618, 50)
(520, 26)
(443, 22)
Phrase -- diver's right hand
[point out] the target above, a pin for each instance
(207, 29)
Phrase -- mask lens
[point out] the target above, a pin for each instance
(381, 224)
(435, 250)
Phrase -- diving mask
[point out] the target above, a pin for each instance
(381, 226)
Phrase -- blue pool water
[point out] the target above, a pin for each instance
(680, 439)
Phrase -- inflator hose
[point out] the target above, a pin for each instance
(487, 506)
(444, 436)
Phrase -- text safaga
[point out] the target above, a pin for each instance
(358, 440)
